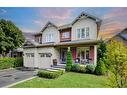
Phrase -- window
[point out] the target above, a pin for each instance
(65, 34)
(83, 33)
(49, 38)
(78, 33)
(87, 32)
(30, 54)
(39, 39)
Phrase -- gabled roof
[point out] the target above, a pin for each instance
(47, 25)
(86, 15)
(122, 34)
(82, 15)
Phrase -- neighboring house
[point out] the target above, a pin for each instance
(122, 37)
(51, 44)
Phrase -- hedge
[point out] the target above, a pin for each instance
(7, 62)
(50, 74)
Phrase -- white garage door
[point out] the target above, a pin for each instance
(44, 60)
(29, 60)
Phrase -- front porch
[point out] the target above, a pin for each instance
(80, 54)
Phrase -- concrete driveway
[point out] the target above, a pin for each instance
(8, 77)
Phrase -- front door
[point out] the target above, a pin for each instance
(63, 55)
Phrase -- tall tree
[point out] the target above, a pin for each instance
(101, 51)
(11, 37)
(69, 60)
(101, 63)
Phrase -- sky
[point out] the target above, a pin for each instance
(32, 19)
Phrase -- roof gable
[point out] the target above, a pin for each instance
(85, 15)
(49, 24)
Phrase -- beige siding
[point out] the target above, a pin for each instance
(40, 62)
(86, 22)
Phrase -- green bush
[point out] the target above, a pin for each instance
(18, 62)
(75, 68)
(50, 74)
(7, 62)
(82, 69)
(69, 61)
(100, 68)
(78, 68)
(90, 69)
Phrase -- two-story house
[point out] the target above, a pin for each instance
(51, 44)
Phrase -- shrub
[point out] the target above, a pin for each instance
(75, 68)
(78, 68)
(82, 69)
(18, 62)
(7, 62)
(50, 74)
(90, 69)
(100, 68)
(69, 61)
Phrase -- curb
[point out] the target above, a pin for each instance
(19, 82)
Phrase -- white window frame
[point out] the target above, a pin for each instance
(80, 32)
(49, 37)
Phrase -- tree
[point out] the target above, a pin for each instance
(101, 54)
(101, 51)
(10, 37)
(100, 68)
(69, 60)
(117, 64)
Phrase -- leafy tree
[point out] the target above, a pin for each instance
(117, 64)
(69, 60)
(10, 37)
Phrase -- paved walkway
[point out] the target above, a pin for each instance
(8, 77)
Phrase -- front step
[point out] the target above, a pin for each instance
(59, 66)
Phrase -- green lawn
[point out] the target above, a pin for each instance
(68, 80)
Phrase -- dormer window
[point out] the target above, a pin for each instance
(83, 33)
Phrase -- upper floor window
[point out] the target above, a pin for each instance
(40, 40)
(66, 35)
(87, 32)
(49, 38)
(83, 33)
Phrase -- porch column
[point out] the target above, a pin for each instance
(95, 54)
